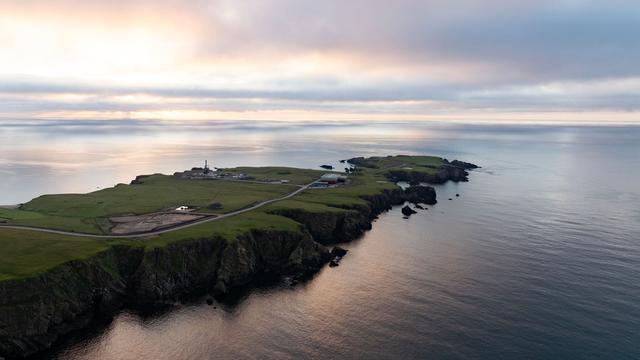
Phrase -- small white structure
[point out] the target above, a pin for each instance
(182, 208)
(333, 179)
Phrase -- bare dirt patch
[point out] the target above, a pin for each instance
(142, 223)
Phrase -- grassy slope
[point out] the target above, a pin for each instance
(158, 192)
(28, 253)
(88, 212)
(416, 163)
(229, 228)
(274, 173)
(32, 218)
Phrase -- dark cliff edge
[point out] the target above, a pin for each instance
(35, 312)
(449, 171)
(454, 171)
(337, 227)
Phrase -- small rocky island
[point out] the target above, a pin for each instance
(73, 258)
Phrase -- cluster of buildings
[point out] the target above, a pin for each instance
(327, 180)
(330, 180)
(206, 173)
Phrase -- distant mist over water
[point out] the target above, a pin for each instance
(38, 157)
(539, 257)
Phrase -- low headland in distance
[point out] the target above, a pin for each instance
(69, 259)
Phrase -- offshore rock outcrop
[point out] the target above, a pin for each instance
(408, 211)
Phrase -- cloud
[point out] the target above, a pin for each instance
(528, 39)
(359, 55)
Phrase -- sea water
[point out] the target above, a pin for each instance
(538, 258)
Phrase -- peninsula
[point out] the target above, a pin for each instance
(69, 258)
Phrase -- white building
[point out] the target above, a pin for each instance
(332, 178)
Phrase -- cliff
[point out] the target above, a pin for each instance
(336, 227)
(439, 175)
(436, 173)
(36, 311)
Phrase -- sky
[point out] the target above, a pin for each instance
(462, 60)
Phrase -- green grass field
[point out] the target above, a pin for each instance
(274, 173)
(156, 193)
(89, 213)
(229, 228)
(379, 164)
(28, 253)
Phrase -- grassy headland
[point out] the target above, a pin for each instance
(27, 253)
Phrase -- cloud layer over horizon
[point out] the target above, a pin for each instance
(219, 59)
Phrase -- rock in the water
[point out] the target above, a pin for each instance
(457, 195)
(209, 301)
(343, 161)
(418, 206)
(328, 167)
(333, 263)
(338, 252)
(407, 211)
(450, 199)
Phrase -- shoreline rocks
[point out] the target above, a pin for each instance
(337, 251)
(407, 211)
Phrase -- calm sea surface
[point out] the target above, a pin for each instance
(539, 257)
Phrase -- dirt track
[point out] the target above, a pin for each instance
(142, 223)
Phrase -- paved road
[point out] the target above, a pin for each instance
(158, 232)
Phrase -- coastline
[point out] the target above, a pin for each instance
(70, 296)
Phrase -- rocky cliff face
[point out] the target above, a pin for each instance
(330, 227)
(35, 312)
(283, 253)
(441, 175)
(166, 274)
(341, 226)
(454, 171)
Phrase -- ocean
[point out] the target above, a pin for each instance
(538, 258)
